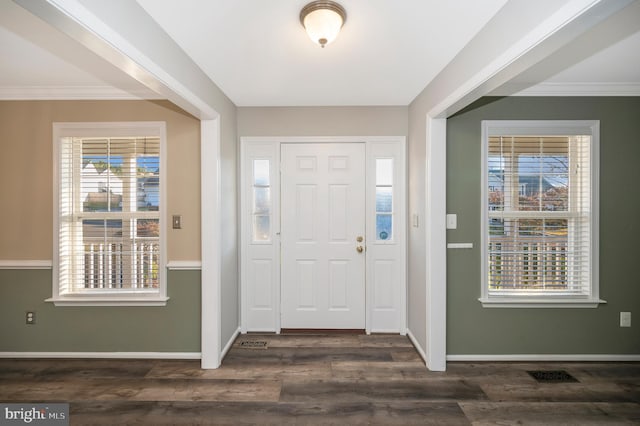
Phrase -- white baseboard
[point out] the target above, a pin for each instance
(415, 343)
(104, 355)
(387, 331)
(544, 357)
(229, 344)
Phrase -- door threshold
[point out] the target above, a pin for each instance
(322, 331)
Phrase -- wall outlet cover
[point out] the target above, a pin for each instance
(625, 319)
(452, 221)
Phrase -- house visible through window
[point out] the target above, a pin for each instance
(110, 216)
(540, 212)
(384, 199)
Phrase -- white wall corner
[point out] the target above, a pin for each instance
(229, 344)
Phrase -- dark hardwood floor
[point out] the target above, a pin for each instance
(324, 379)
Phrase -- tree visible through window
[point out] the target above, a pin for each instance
(109, 213)
(539, 212)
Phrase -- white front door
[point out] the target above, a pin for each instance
(322, 232)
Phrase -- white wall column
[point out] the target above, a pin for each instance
(210, 225)
(436, 238)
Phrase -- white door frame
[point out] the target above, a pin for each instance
(391, 318)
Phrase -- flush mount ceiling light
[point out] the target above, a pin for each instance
(323, 19)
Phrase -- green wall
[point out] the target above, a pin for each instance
(171, 328)
(472, 329)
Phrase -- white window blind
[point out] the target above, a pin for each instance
(109, 215)
(539, 213)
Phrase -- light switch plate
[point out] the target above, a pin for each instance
(452, 221)
(177, 221)
(625, 319)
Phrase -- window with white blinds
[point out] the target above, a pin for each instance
(109, 203)
(540, 212)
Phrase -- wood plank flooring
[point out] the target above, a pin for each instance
(324, 379)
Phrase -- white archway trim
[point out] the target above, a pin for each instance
(487, 62)
(140, 48)
(436, 238)
(211, 319)
(137, 46)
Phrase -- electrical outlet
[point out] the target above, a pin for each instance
(30, 317)
(625, 319)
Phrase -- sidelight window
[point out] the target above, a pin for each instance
(384, 199)
(261, 201)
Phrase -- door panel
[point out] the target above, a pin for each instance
(323, 214)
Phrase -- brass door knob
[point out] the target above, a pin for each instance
(359, 249)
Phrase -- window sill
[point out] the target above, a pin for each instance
(512, 302)
(108, 301)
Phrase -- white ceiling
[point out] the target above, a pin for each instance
(256, 51)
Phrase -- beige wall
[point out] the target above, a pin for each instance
(26, 168)
(229, 292)
(417, 246)
(322, 121)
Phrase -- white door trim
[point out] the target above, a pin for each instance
(272, 311)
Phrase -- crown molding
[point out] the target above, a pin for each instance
(28, 93)
(571, 89)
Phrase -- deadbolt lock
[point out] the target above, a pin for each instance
(359, 239)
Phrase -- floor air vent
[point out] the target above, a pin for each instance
(254, 344)
(552, 376)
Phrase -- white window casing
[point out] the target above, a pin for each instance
(540, 214)
(109, 214)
